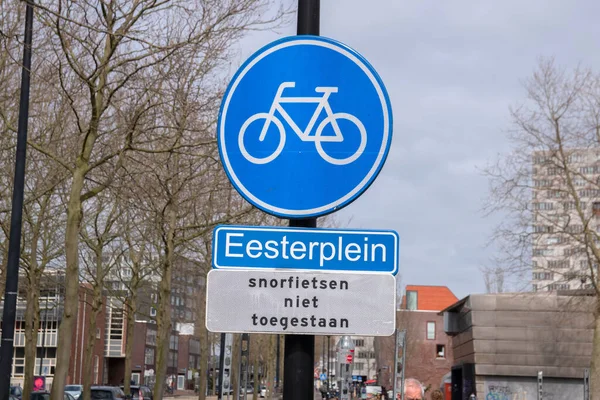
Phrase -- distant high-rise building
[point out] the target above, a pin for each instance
(565, 203)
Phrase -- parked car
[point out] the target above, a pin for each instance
(263, 391)
(140, 392)
(249, 389)
(226, 391)
(16, 391)
(45, 395)
(74, 390)
(107, 393)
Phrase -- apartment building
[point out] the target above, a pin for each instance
(51, 311)
(564, 202)
(364, 363)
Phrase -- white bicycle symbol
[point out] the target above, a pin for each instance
(323, 103)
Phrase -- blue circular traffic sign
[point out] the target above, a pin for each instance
(304, 128)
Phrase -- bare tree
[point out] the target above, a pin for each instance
(548, 188)
(139, 261)
(98, 234)
(493, 278)
(108, 59)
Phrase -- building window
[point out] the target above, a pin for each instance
(152, 312)
(543, 206)
(194, 346)
(553, 264)
(172, 361)
(542, 182)
(535, 287)
(574, 229)
(359, 342)
(542, 229)
(151, 337)
(97, 333)
(431, 331)
(571, 251)
(440, 351)
(411, 300)
(589, 193)
(149, 356)
(543, 276)
(558, 286)
(174, 342)
(543, 252)
(358, 366)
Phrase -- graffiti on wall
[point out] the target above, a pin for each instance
(526, 389)
(504, 392)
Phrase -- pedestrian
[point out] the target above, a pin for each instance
(413, 390)
(323, 390)
(437, 395)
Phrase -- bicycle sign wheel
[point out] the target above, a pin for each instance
(268, 119)
(304, 128)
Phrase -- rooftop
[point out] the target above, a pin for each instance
(431, 298)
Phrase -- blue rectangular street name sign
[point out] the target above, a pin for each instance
(305, 249)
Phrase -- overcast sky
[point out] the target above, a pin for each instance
(452, 69)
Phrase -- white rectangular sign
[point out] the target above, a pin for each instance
(301, 302)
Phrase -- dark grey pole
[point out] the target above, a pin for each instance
(328, 361)
(299, 352)
(14, 242)
(221, 366)
(323, 369)
(277, 357)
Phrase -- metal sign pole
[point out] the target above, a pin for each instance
(300, 349)
(586, 384)
(395, 372)
(540, 382)
(221, 366)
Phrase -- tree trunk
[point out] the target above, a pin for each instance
(280, 383)
(204, 348)
(32, 324)
(257, 346)
(163, 325)
(271, 360)
(71, 300)
(595, 365)
(235, 362)
(90, 341)
(163, 316)
(131, 310)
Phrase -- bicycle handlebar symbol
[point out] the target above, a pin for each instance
(322, 104)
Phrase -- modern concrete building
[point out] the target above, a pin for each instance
(560, 208)
(501, 342)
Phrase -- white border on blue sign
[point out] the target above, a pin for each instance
(364, 65)
(307, 230)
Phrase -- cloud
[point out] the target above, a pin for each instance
(452, 69)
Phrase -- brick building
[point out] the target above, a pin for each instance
(51, 311)
(428, 348)
(82, 332)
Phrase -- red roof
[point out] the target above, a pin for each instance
(431, 298)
